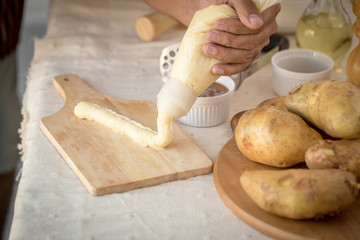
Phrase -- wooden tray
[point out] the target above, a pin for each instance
(109, 162)
(228, 167)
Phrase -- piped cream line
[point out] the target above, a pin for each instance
(121, 124)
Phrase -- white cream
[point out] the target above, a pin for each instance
(121, 124)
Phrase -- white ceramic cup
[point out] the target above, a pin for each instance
(294, 67)
(211, 111)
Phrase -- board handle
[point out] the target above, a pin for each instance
(72, 88)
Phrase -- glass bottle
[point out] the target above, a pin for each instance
(325, 26)
(353, 62)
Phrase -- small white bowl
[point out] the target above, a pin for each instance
(211, 111)
(294, 67)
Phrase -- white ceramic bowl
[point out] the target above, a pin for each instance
(211, 111)
(294, 67)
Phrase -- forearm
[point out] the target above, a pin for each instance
(182, 10)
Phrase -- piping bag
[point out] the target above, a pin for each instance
(191, 73)
(190, 76)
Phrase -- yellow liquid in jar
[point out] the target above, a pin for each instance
(327, 33)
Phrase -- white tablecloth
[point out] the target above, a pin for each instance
(97, 41)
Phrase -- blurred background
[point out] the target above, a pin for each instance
(34, 21)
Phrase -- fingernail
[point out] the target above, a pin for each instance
(218, 71)
(211, 50)
(255, 19)
(220, 27)
(214, 37)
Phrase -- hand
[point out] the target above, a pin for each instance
(238, 42)
(235, 42)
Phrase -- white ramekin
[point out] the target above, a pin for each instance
(211, 111)
(294, 67)
(206, 111)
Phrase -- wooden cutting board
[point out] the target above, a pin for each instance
(229, 165)
(108, 162)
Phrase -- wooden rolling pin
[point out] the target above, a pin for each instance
(151, 26)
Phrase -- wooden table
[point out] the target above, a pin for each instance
(97, 41)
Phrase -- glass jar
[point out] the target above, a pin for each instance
(325, 26)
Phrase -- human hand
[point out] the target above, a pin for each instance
(238, 42)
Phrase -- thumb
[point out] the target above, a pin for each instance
(248, 13)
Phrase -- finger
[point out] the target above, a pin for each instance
(231, 55)
(270, 13)
(250, 41)
(248, 13)
(229, 69)
(235, 26)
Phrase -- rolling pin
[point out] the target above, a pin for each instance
(151, 26)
